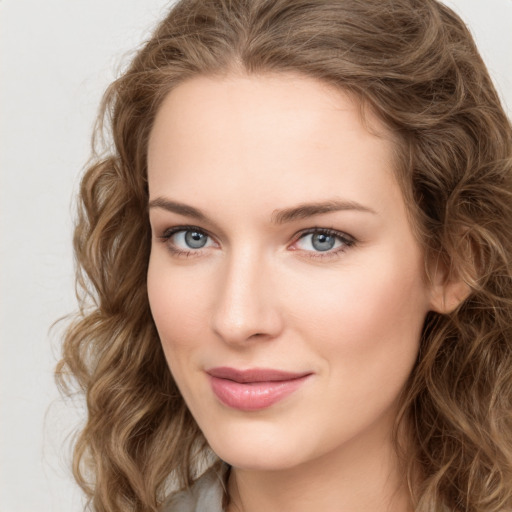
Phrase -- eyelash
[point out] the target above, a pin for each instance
(347, 241)
(166, 236)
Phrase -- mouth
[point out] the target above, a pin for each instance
(254, 389)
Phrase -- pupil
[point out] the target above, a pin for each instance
(323, 242)
(195, 240)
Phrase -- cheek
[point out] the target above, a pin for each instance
(177, 305)
(361, 299)
(364, 320)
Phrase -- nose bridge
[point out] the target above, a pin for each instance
(244, 305)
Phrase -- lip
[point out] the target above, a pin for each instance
(255, 388)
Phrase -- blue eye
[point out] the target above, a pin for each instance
(323, 241)
(186, 240)
(195, 239)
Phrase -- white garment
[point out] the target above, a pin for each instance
(205, 495)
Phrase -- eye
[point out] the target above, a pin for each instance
(190, 239)
(186, 240)
(324, 240)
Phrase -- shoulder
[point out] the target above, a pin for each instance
(205, 495)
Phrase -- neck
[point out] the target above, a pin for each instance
(360, 476)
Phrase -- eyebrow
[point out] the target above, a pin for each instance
(301, 211)
(306, 210)
(179, 208)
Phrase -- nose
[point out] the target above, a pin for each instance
(246, 308)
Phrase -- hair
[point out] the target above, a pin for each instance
(413, 63)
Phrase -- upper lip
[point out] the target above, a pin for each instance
(254, 374)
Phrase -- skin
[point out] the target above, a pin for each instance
(259, 293)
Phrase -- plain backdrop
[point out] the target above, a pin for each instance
(57, 57)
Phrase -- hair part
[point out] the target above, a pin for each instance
(414, 64)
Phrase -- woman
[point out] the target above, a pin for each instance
(295, 265)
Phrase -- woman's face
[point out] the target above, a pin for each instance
(285, 281)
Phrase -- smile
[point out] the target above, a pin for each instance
(253, 389)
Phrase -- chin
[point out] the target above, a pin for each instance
(255, 449)
(257, 459)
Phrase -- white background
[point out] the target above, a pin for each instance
(57, 57)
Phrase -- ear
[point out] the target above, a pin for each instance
(448, 289)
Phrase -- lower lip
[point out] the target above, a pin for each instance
(253, 396)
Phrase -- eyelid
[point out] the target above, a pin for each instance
(346, 240)
(328, 231)
(168, 233)
(186, 227)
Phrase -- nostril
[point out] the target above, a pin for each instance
(257, 335)
(240, 327)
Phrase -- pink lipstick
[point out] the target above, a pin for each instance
(253, 389)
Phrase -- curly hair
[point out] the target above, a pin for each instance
(414, 63)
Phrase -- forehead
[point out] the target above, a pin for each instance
(269, 135)
(293, 102)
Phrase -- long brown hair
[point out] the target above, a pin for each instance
(414, 63)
